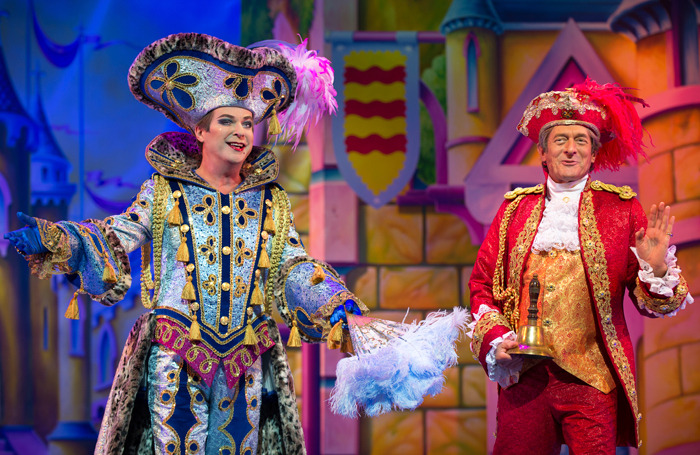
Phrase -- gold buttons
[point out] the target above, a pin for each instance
(226, 210)
(249, 311)
(190, 268)
(551, 287)
(184, 228)
(194, 306)
(268, 203)
(226, 250)
(225, 287)
(177, 194)
(264, 235)
(224, 320)
(552, 253)
(258, 171)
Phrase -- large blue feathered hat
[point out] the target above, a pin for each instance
(186, 75)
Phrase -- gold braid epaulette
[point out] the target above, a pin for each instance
(663, 306)
(486, 323)
(160, 201)
(625, 192)
(524, 191)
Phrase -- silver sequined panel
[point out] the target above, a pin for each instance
(205, 208)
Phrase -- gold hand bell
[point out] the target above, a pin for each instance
(531, 341)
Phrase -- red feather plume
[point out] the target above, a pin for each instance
(622, 135)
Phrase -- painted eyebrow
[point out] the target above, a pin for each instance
(247, 117)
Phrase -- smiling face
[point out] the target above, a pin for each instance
(229, 138)
(569, 153)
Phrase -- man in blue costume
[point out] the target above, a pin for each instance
(207, 363)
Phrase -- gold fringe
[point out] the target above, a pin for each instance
(250, 339)
(274, 127)
(175, 217)
(183, 254)
(264, 261)
(73, 311)
(318, 276)
(188, 290)
(269, 225)
(335, 337)
(195, 333)
(294, 338)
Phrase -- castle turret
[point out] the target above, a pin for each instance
(49, 166)
(17, 141)
(470, 29)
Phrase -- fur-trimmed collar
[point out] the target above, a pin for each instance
(176, 155)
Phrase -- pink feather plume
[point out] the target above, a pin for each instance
(315, 95)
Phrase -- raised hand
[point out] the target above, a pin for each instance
(27, 240)
(652, 242)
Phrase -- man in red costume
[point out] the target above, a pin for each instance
(586, 241)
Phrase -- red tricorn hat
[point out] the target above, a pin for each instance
(605, 109)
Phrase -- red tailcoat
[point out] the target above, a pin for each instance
(608, 219)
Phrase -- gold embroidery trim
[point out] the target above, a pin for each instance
(594, 253)
(487, 322)
(666, 305)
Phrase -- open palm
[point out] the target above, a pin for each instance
(652, 242)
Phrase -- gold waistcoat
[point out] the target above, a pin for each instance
(568, 316)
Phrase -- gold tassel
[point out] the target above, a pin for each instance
(175, 217)
(335, 337)
(257, 297)
(188, 290)
(269, 225)
(294, 338)
(195, 333)
(274, 127)
(250, 339)
(183, 254)
(318, 276)
(264, 261)
(108, 275)
(73, 311)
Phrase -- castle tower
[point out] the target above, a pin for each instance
(50, 196)
(668, 78)
(470, 28)
(17, 141)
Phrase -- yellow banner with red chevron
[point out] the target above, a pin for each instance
(376, 135)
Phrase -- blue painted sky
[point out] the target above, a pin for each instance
(118, 127)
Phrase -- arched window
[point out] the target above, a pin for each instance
(106, 357)
(5, 201)
(472, 52)
(44, 174)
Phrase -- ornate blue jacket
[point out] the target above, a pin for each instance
(221, 260)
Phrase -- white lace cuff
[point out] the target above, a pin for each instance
(505, 377)
(662, 285)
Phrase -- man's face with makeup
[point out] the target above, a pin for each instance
(569, 153)
(229, 138)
